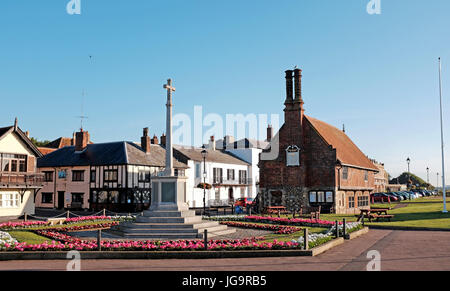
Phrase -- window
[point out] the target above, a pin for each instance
(242, 177)
(144, 176)
(320, 196)
(230, 175)
(218, 175)
(366, 176)
(312, 197)
(9, 200)
(22, 166)
(93, 176)
(329, 197)
(62, 174)
(77, 197)
(47, 197)
(48, 176)
(363, 201)
(198, 169)
(13, 163)
(179, 172)
(77, 176)
(345, 173)
(351, 202)
(110, 175)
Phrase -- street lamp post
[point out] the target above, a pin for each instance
(442, 140)
(408, 160)
(428, 175)
(204, 153)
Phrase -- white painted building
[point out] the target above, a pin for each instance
(249, 151)
(19, 181)
(228, 175)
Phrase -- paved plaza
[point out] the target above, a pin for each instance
(400, 250)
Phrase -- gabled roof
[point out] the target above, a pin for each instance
(346, 151)
(102, 154)
(60, 142)
(217, 156)
(11, 129)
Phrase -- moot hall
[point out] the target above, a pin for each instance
(317, 164)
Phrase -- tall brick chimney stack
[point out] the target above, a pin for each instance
(163, 139)
(289, 88)
(154, 140)
(298, 87)
(269, 133)
(81, 140)
(145, 141)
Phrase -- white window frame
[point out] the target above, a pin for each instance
(9, 200)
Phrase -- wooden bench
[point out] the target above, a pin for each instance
(308, 212)
(278, 210)
(372, 216)
(54, 221)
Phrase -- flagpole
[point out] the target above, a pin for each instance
(442, 141)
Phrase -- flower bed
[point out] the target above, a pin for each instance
(6, 239)
(73, 228)
(181, 245)
(278, 229)
(276, 220)
(316, 239)
(35, 224)
(21, 225)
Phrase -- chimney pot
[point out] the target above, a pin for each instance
(289, 86)
(145, 141)
(298, 85)
(81, 140)
(163, 140)
(269, 133)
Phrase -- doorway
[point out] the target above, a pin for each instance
(60, 199)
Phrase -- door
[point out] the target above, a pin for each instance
(231, 196)
(61, 199)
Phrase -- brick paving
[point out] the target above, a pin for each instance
(400, 250)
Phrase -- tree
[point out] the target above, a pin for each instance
(38, 143)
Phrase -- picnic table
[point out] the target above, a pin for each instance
(375, 213)
(276, 210)
(216, 208)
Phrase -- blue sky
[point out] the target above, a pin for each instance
(377, 74)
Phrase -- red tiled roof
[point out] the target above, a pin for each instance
(346, 151)
(46, 151)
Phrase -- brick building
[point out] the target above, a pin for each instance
(316, 165)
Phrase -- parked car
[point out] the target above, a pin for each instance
(383, 197)
(398, 195)
(244, 202)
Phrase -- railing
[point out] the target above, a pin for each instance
(21, 179)
(236, 182)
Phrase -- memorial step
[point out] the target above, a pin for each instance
(192, 219)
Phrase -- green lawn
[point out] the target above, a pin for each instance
(423, 212)
(28, 237)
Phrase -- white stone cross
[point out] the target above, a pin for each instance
(169, 150)
(170, 89)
